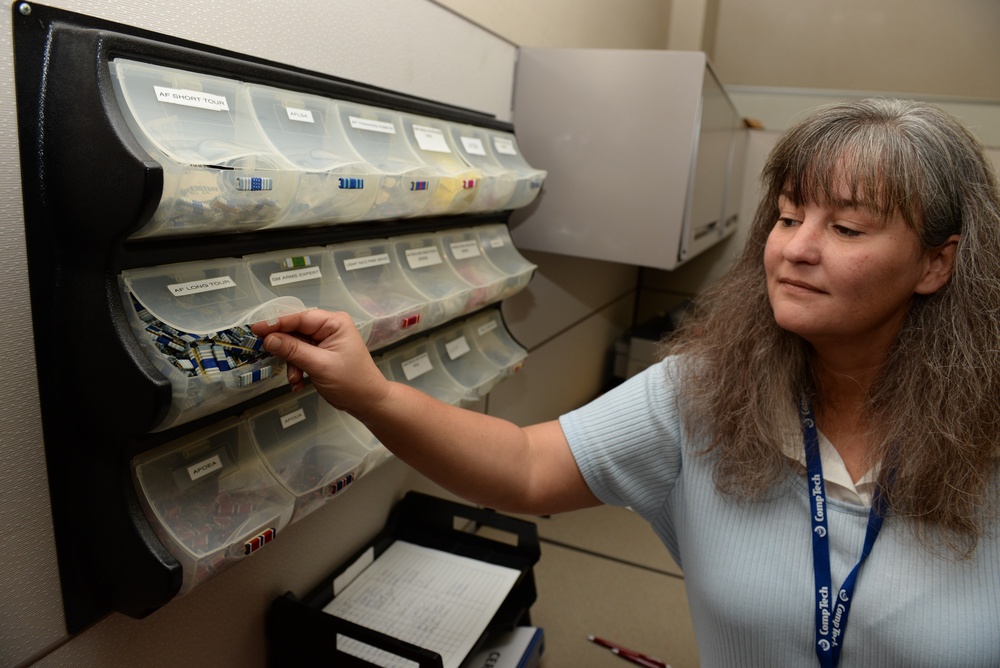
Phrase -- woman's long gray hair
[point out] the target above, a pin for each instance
(935, 406)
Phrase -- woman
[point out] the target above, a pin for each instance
(843, 373)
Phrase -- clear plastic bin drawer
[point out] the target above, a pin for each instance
(465, 362)
(499, 182)
(211, 500)
(192, 319)
(529, 179)
(465, 255)
(499, 248)
(375, 280)
(408, 185)
(417, 364)
(308, 447)
(335, 184)
(458, 183)
(422, 260)
(490, 335)
(310, 275)
(218, 173)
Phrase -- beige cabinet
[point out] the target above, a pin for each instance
(643, 150)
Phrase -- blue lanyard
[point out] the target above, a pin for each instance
(831, 613)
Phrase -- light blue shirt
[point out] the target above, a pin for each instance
(748, 565)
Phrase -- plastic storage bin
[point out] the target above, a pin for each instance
(335, 184)
(499, 182)
(458, 182)
(310, 275)
(308, 448)
(465, 255)
(496, 244)
(408, 185)
(422, 260)
(465, 362)
(192, 320)
(490, 335)
(219, 175)
(529, 179)
(210, 499)
(417, 364)
(375, 280)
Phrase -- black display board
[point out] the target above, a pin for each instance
(87, 185)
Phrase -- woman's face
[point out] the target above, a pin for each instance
(838, 274)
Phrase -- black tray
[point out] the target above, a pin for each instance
(299, 633)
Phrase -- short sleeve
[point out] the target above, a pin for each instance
(628, 443)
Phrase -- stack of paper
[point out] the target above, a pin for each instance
(434, 599)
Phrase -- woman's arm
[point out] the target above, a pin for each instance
(484, 459)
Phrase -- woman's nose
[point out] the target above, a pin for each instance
(803, 243)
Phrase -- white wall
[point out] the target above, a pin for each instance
(597, 24)
(928, 47)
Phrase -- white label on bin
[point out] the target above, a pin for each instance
(203, 468)
(487, 328)
(496, 242)
(504, 145)
(473, 145)
(294, 417)
(430, 139)
(463, 250)
(191, 98)
(374, 126)
(295, 276)
(300, 115)
(423, 257)
(204, 285)
(457, 348)
(417, 366)
(353, 263)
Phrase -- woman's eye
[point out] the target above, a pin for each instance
(787, 222)
(846, 231)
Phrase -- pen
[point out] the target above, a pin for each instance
(638, 659)
(632, 655)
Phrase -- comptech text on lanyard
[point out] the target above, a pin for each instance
(831, 613)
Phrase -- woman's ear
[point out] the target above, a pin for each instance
(941, 262)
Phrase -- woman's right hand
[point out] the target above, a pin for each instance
(328, 348)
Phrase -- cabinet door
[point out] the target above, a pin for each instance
(637, 148)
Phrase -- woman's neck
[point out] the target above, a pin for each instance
(844, 384)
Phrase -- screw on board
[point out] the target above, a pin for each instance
(24, 8)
